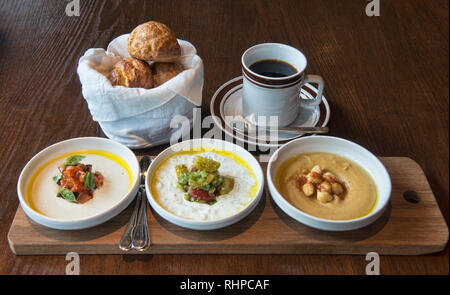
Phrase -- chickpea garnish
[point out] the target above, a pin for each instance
(328, 176)
(316, 169)
(314, 177)
(324, 197)
(324, 185)
(308, 189)
(337, 188)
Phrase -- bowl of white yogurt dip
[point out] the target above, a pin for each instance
(201, 198)
(42, 186)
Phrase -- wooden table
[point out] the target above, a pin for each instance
(386, 80)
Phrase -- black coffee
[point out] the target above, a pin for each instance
(273, 68)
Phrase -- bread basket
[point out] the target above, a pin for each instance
(138, 117)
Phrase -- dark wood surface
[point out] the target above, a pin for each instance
(386, 80)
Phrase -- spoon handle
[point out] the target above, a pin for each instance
(316, 130)
(253, 129)
(140, 236)
(125, 243)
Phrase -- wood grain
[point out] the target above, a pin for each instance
(406, 228)
(386, 80)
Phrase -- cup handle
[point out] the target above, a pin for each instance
(319, 81)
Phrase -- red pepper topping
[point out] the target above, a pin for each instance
(73, 178)
(200, 195)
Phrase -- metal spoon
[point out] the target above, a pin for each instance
(249, 128)
(125, 243)
(139, 234)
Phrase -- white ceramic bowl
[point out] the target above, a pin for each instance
(207, 224)
(341, 147)
(73, 145)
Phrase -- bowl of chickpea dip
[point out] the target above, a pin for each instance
(328, 183)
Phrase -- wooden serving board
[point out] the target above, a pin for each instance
(406, 228)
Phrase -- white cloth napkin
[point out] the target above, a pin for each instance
(139, 117)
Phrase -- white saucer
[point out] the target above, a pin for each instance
(226, 108)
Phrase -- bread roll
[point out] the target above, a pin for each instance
(131, 72)
(153, 41)
(163, 72)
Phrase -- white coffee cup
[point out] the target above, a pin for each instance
(265, 98)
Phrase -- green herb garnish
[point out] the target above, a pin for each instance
(57, 178)
(89, 181)
(74, 160)
(67, 195)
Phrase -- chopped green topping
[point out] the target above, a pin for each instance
(180, 169)
(183, 187)
(200, 178)
(74, 160)
(205, 179)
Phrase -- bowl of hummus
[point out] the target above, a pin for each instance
(328, 183)
(204, 184)
(78, 183)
